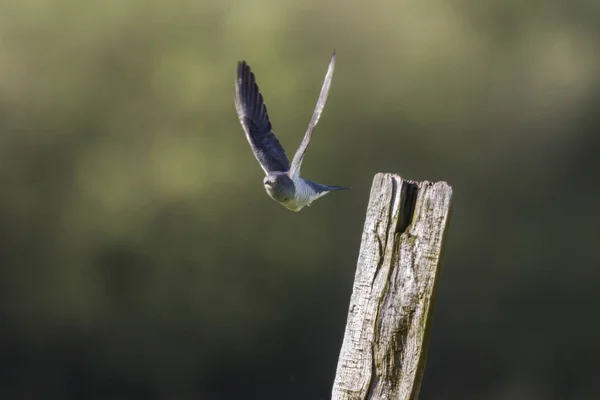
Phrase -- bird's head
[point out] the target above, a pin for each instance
(271, 181)
(278, 184)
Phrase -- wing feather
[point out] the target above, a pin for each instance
(252, 112)
(299, 156)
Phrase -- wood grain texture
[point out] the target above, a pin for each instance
(384, 350)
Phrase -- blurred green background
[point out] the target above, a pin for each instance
(142, 259)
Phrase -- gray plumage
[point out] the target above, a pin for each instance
(282, 181)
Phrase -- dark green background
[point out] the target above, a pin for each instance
(141, 258)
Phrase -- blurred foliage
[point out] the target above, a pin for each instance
(141, 257)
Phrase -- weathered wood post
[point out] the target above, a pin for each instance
(385, 344)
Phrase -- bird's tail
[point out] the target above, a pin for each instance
(332, 188)
(320, 188)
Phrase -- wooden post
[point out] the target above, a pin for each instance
(385, 344)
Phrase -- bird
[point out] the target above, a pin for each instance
(282, 181)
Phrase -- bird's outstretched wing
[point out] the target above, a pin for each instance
(253, 115)
(299, 156)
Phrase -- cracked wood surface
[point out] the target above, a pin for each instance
(385, 343)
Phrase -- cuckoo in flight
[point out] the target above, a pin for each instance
(283, 182)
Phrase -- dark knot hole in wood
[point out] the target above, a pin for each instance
(408, 200)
